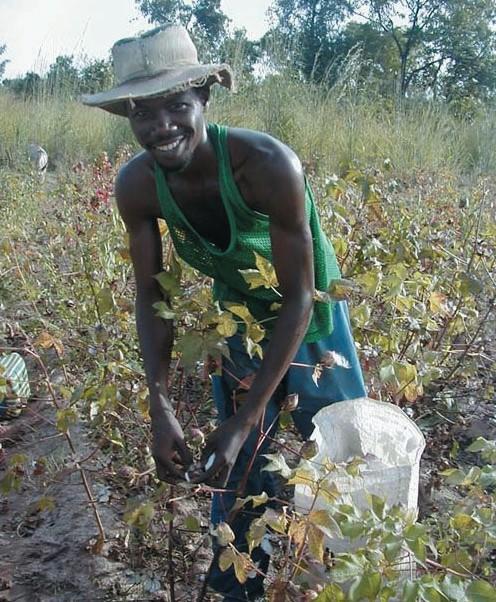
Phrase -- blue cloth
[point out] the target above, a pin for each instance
(335, 384)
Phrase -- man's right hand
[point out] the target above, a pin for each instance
(170, 452)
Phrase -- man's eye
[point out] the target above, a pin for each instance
(179, 106)
(140, 114)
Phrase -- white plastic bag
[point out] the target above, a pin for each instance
(390, 444)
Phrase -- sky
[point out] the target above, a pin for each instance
(36, 31)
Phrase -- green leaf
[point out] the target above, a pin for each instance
(367, 586)
(169, 283)
(192, 523)
(410, 591)
(481, 591)
(454, 476)
(163, 311)
(454, 588)
(65, 418)
(481, 444)
(105, 300)
(331, 593)
(378, 506)
(469, 285)
(459, 560)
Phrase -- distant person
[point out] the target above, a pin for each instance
(226, 194)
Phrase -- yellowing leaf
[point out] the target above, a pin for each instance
(242, 566)
(437, 302)
(316, 543)
(46, 503)
(267, 270)
(65, 418)
(297, 531)
(226, 559)
(341, 288)
(277, 463)
(226, 325)
(140, 516)
(255, 332)
(264, 275)
(45, 340)
(276, 520)
(162, 226)
(240, 310)
(256, 533)
(224, 534)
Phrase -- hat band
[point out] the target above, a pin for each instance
(148, 72)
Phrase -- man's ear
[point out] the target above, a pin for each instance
(204, 95)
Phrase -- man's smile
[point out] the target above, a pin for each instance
(168, 146)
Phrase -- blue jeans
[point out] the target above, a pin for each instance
(336, 384)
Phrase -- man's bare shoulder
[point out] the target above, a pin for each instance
(255, 149)
(265, 169)
(135, 188)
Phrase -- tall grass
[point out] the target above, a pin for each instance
(325, 127)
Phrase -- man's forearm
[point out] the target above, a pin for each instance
(156, 338)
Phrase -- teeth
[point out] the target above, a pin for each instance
(171, 146)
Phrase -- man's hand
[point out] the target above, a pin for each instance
(170, 452)
(224, 444)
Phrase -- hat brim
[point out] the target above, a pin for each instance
(164, 83)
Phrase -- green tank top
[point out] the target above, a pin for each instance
(249, 234)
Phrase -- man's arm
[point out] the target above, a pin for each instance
(277, 184)
(155, 335)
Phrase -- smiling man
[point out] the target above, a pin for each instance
(226, 194)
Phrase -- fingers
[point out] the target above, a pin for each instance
(167, 471)
(184, 453)
(216, 475)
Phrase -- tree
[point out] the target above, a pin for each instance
(63, 76)
(309, 27)
(203, 18)
(435, 36)
(27, 86)
(96, 76)
(3, 63)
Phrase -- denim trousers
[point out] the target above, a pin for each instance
(335, 384)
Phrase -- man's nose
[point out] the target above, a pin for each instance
(164, 123)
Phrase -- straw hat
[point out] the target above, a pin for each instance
(160, 62)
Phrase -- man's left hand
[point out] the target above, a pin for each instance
(224, 444)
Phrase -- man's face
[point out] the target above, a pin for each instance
(170, 127)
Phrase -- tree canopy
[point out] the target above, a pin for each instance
(437, 49)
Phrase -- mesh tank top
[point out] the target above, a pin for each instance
(249, 231)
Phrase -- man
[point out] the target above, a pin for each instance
(226, 194)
